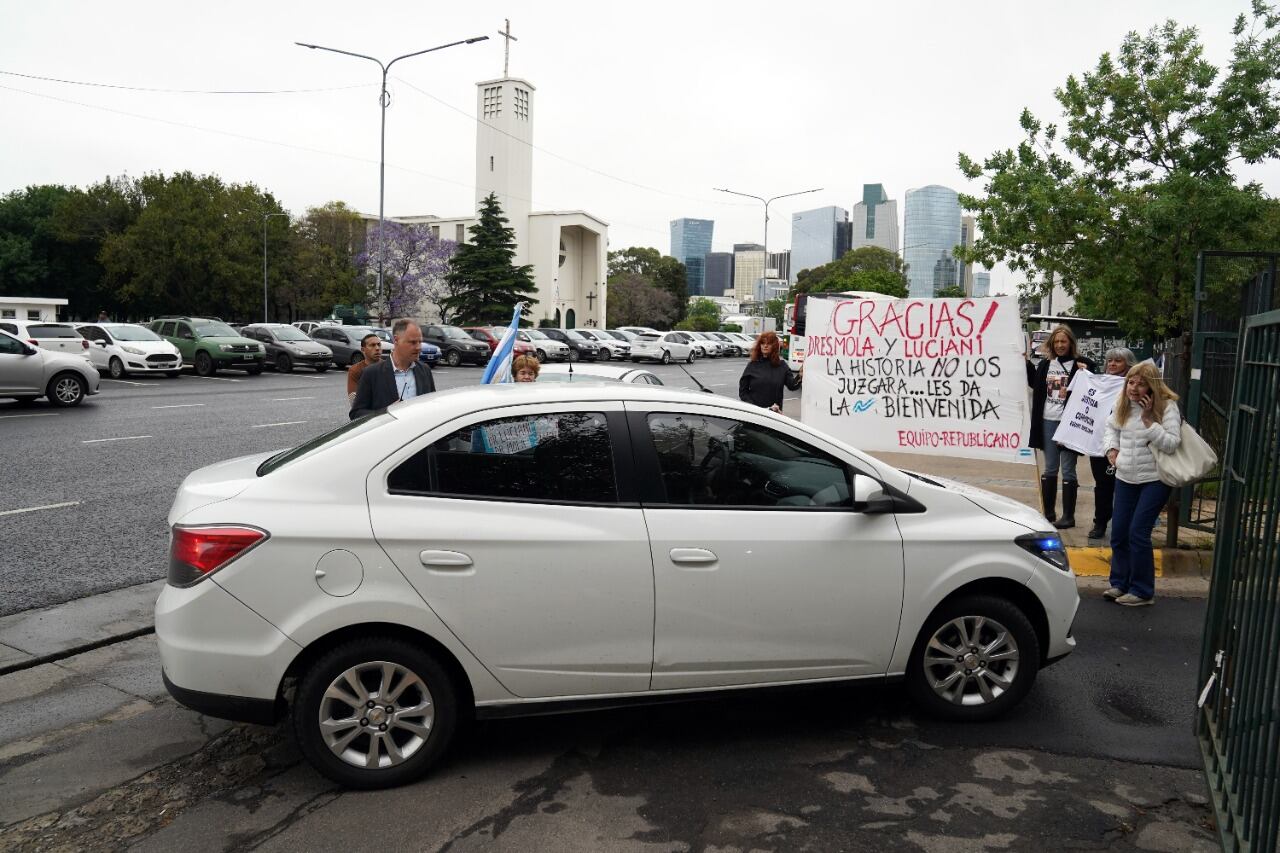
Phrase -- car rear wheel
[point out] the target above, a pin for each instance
(205, 365)
(374, 713)
(66, 389)
(666, 357)
(284, 364)
(975, 659)
(453, 358)
(116, 368)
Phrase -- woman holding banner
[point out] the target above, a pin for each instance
(1144, 422)
(766, 374)
(1117, 363)
(1048, 382)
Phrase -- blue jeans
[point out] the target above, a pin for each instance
(1136, 508)
(1056, 456)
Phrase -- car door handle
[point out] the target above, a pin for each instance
(693, 556)
(445, 559)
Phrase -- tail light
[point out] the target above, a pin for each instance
(33, 342)
(84, 342)
(197, 552)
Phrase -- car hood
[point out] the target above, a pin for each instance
(998, 505)
(232, 339)
(214, 483)
(148, 346)
(314, 347)
(427, 346)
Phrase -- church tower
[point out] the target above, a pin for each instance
(504, 152)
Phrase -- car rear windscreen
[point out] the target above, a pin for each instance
(51, 331)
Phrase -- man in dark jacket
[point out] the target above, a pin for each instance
(401, 377)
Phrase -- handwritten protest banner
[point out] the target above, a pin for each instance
(1084, 421)
(939, 376)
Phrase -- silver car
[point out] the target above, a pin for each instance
(28, 372)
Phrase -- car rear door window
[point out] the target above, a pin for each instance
(563, 457)
(710, 461)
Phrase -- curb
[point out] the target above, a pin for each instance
(1170, 562)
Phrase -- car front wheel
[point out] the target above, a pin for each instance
(374, 713)
(975, 659)
(66, 389)
(605, 355)
(116, 368)
(666, 357)
(205, 365)
(453, 358)
(284, 364)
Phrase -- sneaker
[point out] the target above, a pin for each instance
(1112, 594)
(1131, 600)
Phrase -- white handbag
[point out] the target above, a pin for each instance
(1191, 461)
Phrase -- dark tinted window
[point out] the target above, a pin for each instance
(11, 328)
(49, 330)
(556, 457)
(93, 333)
(10, 346)
(723, 462)
(167, 329)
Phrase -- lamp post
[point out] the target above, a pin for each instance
(384, 98)
(766, 201)
(265, 217)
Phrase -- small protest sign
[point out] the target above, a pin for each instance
(1084, 419)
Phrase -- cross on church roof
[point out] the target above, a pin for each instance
(506, 46)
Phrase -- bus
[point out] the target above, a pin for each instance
(793, 320)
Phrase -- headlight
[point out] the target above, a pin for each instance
(226, 347)
(133, 350)
(1046, 546)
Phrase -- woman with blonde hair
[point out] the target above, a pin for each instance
(525, 368)
(1144, 422)
(1048, 381)
(766, 374)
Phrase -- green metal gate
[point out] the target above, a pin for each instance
(1239, 722)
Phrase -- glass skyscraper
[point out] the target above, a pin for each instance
(719, 274)
(818, 237)
(690, 245)
(931, 230)
(875, 219)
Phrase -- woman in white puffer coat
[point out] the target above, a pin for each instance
(1145, 422)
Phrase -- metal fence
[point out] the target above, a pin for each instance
(1238, 726)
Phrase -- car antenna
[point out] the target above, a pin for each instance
(695, 379)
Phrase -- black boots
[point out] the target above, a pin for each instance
(1068, 519)
(1049, 496)
(1099, 529)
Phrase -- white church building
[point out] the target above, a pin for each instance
(567, 248)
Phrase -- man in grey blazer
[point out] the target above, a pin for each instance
(401, 377)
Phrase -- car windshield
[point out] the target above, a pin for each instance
(289, 333)
(381, 333)
(132, 333)
(334, 436)
(536, 335)
(455, 332)
(575, 335)
(622, 336)
(214, 329)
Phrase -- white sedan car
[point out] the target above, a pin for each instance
(664, 347)
(539, 547)
(124, 348)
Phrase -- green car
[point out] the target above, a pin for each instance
(210, 345)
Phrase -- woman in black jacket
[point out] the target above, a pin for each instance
(766, 374)
(1048, 381)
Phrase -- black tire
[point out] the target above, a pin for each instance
(605, 355)
(666, 357)
(253, 371)
(693, 355)
(356, 358)
(452, 357)
(284, 364)
(438, 693)
(542, 357)
(115, 367)
(205, 365)
(999, 616)
(66, 389)
(574, 355)
(635, 361)
(321, 368)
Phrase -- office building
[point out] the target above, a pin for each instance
(779, 265)
(981, 284)
(719, 274)
(931, 231)
(875, 220)
(966, 240)
(748, 268)
(817, 237)
(690, 244)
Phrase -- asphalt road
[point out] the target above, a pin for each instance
(117, 459)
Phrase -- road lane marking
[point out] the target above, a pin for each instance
(34, 415)
(35, 508)
(127, 382)
(179, 406)
(283, 399)
(217, 378)
(282, 423)
(120, 438)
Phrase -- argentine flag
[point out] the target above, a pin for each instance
(499, 367)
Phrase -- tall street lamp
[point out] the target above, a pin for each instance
(766, 202)
(265, 217)
(384, 98)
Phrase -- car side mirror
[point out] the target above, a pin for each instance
(28, 349)
(869, 496)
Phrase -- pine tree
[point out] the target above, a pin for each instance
(483, 283)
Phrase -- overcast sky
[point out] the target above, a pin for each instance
(641, 109)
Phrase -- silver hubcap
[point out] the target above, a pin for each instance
(67, 390)
(376, 715)
(971, 660)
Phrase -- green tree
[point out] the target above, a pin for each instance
(663, 271)
(1117, 207)
(954, 291)
(634, 300)
(703, 316)
(775, 308)
(484, 284)
(28, 242)
(869, 268)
